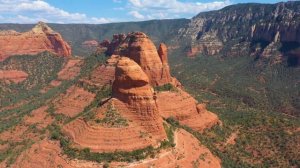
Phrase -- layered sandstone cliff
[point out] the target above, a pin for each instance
(250, 29)
(41, 38)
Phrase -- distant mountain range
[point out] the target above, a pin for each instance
(266, 31)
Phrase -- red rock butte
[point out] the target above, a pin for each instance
(178, 104)
(41, 38)
(139, 47)
(133, 99)
(139, 66)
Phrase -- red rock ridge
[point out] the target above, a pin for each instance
(41, 38)
(13, 75)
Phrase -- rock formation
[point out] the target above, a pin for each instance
(184, 108)
(138, 47)
(237, 30)
(133, 99)
(41, 38)
(208, 44)
(163, 53)
(90, 45)
(13, 76)
(132, 87)
(143, 51)
(131, 82)
(150, 66)
(114, 44)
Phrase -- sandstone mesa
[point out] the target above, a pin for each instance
(41, 38)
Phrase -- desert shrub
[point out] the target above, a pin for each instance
(112, 118)
(165, 87)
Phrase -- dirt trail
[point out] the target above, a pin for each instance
(187, 153)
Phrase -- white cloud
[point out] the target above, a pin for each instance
(170, 8)
(136, 15)
(31, 11)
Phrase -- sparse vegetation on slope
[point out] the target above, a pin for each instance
(120, 156)
(41, 69)
(248, 97)
(112, 118)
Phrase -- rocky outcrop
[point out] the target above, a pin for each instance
(132, 86)
(115, 43)
(184, 108)
(163, 53)
(90, 45)
(139, 47)
(208, 44)
(143, 51)
(41, 38)
(12, 76)
(131, 83)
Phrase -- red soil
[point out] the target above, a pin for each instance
(55, 83)
(4, 147)
(187, 153)
(47, 154)
(70, 70)
(16, 105)
(184, 108)
(39, 117)
(73, 102)
(52, 84)
(101, 76)
(14, 134)
(140, 132)
(15, 76)
(231, 140)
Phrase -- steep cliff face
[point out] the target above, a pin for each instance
(140, 48)
(131, 83)
(246, 29)
(143, 51)
(40, 38)
(132, 86)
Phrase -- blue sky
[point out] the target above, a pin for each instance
(106, 11)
